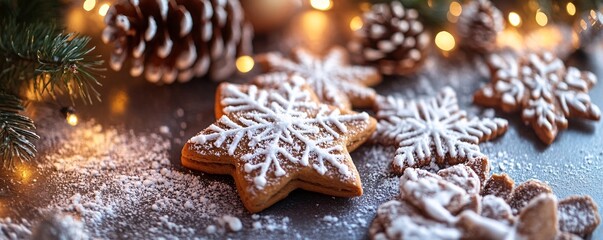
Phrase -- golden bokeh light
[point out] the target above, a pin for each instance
(119, 102)
(89, 5)
(103, 9)
(445, 41)
(541, 18)
(571, 8)
(72, 119)
(24, 173)
(244, 64)
(456, 9)
(322, 5)
(583, 24)
(514, 19)
(356, 23)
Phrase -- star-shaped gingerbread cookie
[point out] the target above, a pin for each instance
(434, 131)
(542, 88)
(275, 140)
(334, 81)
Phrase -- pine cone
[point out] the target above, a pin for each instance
(391, 38)
(177, 39)
(589, 28)
(478, 26)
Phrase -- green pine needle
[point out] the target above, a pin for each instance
(54, 62)
(16, 132)
(36, 55)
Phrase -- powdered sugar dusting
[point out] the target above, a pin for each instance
(126, 175)
(113, 179)
(524, 168)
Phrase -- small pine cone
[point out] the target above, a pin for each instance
(478, 26)
(589, 28)
(391, 38)
(177, 39)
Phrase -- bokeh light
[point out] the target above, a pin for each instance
(119, 101)
(245, 64)
(104, 9)
(89, 5)
(456, 9)
(583, 24)
(541, 18)
(571, 8)
(356, 23)
(514, 19)
(72, 119)
(322, 5)
(445, 41)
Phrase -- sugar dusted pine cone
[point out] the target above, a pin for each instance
(177, 39)
(478, 26)
(391, 38)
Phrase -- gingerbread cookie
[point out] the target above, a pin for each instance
(273, 141)
(542, 88)
(433, 131)
(333, 80)
(448, 205)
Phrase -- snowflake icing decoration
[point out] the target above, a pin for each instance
(274, 131)
(432, 131)
(332, 79)
(541, 87)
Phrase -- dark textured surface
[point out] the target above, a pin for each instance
(573, 164)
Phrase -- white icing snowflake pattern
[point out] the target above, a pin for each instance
(271, 129)
(432, 131)
(333, 80)
(541, 87)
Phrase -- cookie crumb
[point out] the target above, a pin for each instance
(329, 218)
(211, 229)
(232, 223)
(165, 130)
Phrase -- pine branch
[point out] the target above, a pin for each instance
(36, 54)
(39, 56)
(16, 132)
